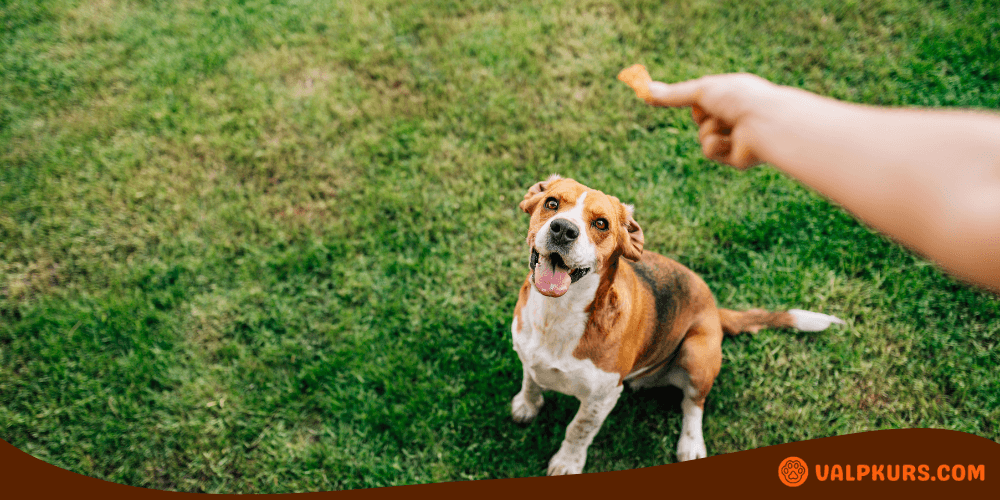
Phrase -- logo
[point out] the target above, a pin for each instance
(793, 471)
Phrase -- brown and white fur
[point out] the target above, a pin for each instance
(597, 311)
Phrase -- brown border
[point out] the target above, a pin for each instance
(748, 472)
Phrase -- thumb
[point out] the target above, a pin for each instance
(675, 95)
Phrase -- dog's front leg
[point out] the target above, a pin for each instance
(572, 455)
(526, 403)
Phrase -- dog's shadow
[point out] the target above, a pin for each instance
(653, 401)
(655, 408)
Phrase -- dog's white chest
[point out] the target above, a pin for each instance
(545, 343)
(553, 368)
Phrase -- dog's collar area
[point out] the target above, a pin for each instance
(575, 275)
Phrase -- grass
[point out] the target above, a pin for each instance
(268, 246)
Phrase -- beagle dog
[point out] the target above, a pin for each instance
(596, 311)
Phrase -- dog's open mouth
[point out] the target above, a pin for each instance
(551, 274)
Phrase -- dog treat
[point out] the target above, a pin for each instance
(638, 78)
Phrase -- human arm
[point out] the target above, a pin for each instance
(928, 178)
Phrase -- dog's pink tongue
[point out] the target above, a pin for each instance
(550, 279)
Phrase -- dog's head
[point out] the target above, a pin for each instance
(574, 231)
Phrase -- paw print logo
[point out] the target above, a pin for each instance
(793, 471)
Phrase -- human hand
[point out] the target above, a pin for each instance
(730, 111)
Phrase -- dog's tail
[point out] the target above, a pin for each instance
(737, 322)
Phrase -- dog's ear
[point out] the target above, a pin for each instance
(534, 195)
(632, 246)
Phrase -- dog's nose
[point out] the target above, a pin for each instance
(563, 231)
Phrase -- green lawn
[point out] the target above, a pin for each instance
(274, 246)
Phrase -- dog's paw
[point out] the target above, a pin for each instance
(523, 410)
(567, 462)
(690, 447)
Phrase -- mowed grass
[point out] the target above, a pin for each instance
(265, 246)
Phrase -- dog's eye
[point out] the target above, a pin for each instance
(601, 224)
(552, 204)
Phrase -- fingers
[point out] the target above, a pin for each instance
(719, 143)
(713, 139)
(741, 155)
(711, 125)
(724, 149)
(716, 147)
(698, 114)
